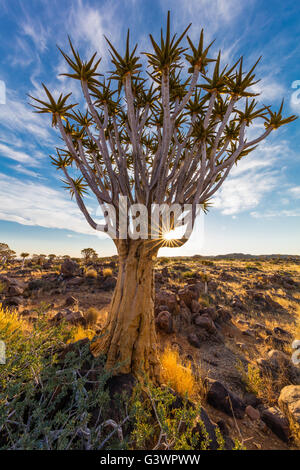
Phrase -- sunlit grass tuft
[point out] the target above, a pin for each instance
(176, 374)
(81, 333)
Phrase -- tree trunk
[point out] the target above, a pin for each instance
(129, 339)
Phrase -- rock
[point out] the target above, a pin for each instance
(249, 332)
(35, 284)
(207, 431)
(209, 312)
(109, 283)
(277, 422)
(71, 301)
(168, 299)
(289, 402)
(252, 413)
(203, 321)
(75, 318)
(251, 399)
(277, 343)
(224, 316)
(189, 293)
(195, 306)
(237, 304)
(194, 340)
(69, 316)
(69, 268)
(164, 322)
(281, 332)
(15, 291)
(220, 398)
(12, 302)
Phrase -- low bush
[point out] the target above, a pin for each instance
(91, 273)
(107, 272)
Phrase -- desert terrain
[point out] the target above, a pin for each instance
(225, 328)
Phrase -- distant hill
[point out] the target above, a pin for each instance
(248, 256)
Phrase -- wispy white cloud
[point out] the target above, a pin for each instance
(30, 203)
(295, 192)
(25, 171)
(18, 116)
(22, 157)
(251, 180)
(36, 32)
(274, 213)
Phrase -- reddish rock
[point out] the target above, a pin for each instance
(277, 422)
(222, 399)
(205, 322)
(168, 299)
(252, 413)
(164, 322)
(195, 306)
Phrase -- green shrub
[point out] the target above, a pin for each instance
(47, 401)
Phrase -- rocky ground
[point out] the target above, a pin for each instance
(234, 320)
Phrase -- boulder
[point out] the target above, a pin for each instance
(204, 321)
(289, 402)
(164, 322)
(277, 422)
(189, 293)
(222, 399)
(168, 299)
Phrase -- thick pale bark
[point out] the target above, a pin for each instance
(129, 338)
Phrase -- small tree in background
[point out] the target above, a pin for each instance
(89, 255)
(169, 137)
(6, 254)
(24, 256)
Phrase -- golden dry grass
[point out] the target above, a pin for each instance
(177, 374)
(91, 273)
(107, 272)
(81, 333)
(10, 321)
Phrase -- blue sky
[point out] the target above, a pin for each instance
(258, 208)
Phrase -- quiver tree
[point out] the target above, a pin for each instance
(6, 254)
(24, 256)
(167, 136)
(89, 255)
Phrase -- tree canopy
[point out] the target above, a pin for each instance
(170, 133)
